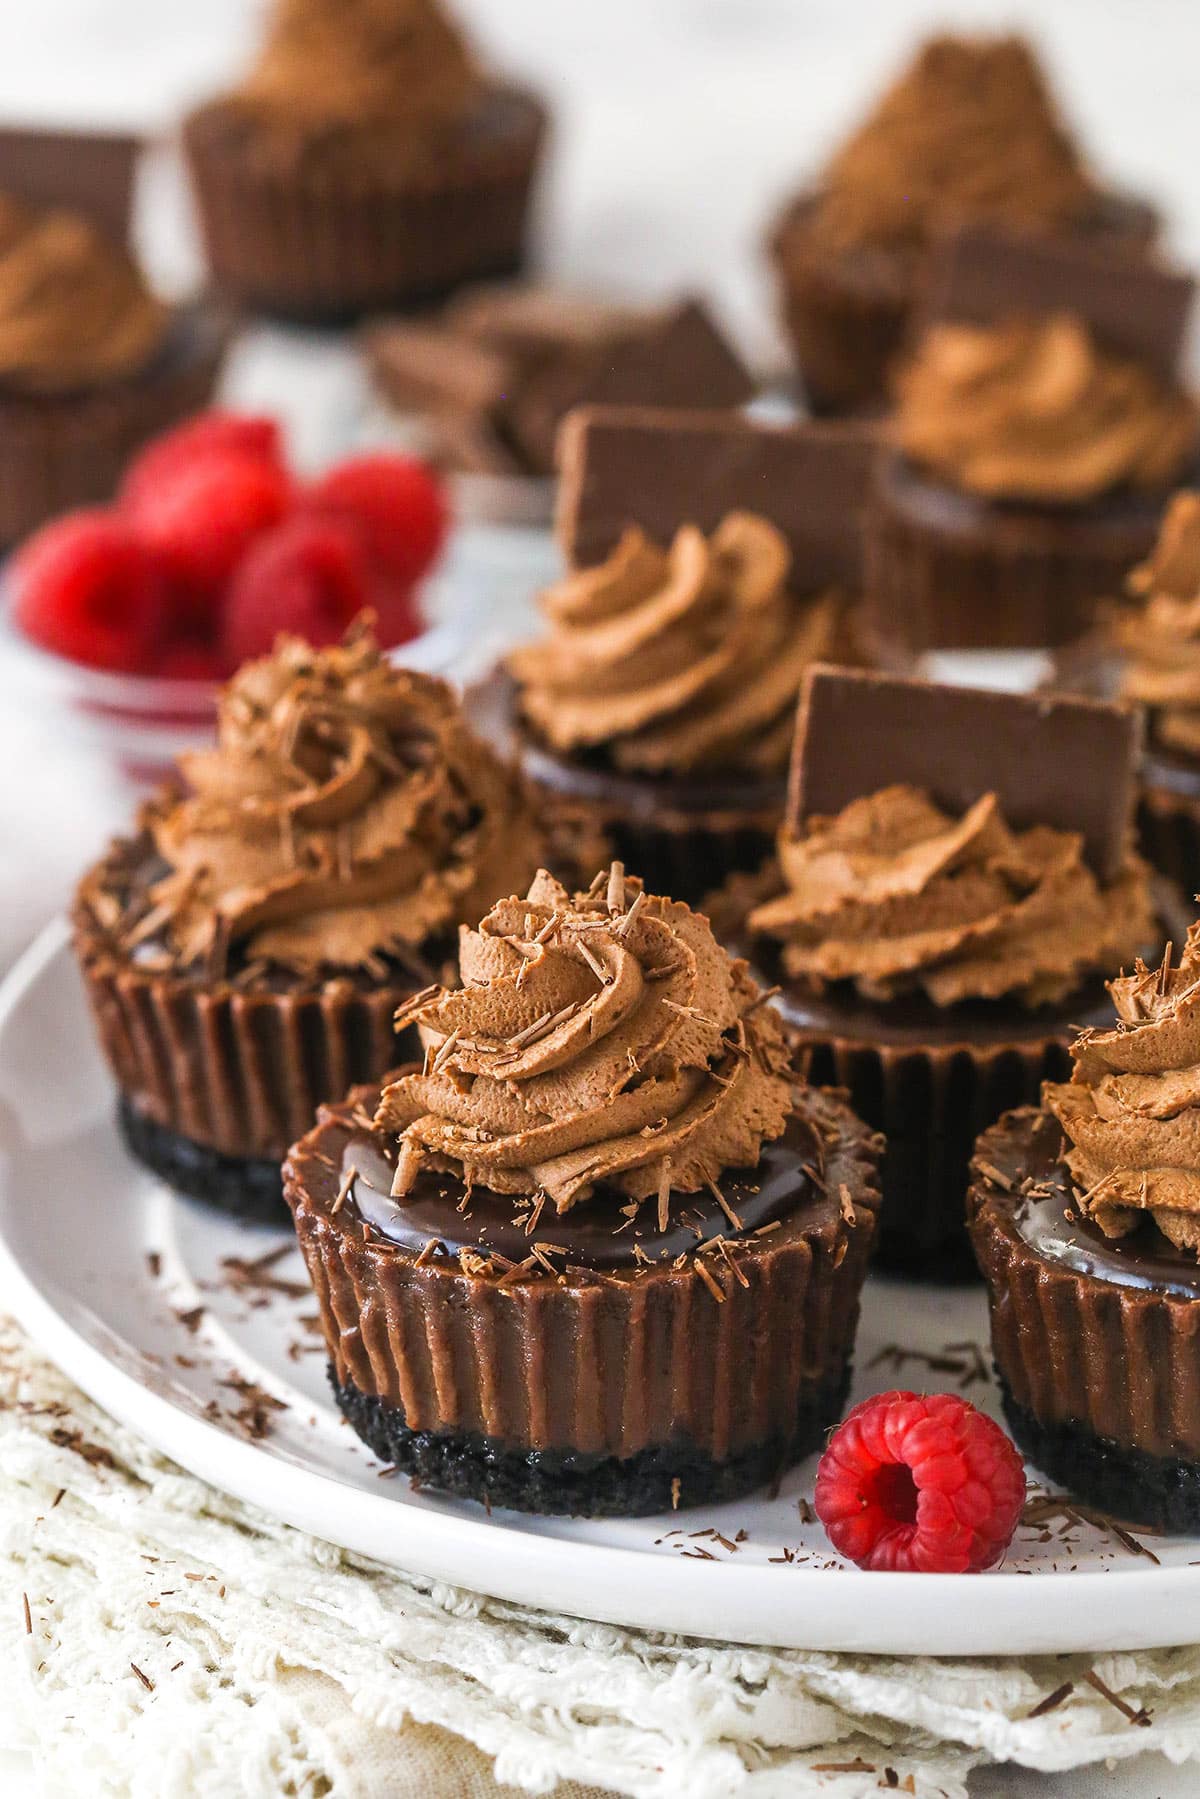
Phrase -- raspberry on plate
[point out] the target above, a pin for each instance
(397, 504)
(206, 435)
(88, 589)
(309, 576)
(920, 1483)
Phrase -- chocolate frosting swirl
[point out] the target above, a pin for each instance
(75, 311)
(1161, 637)
(971, 130)
(896, 896)
(677, 660)
(601, 1040)
(1131, 1110)
(346, 812)
(350, 75)
(1036, 410)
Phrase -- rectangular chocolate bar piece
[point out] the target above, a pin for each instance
(1134, 305)
(1050, 759)
(88, 172)
(661, 468)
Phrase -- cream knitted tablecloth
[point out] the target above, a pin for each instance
(159, 1639)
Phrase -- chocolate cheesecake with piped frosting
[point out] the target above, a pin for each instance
(365, 160)
(711, 560)
(246, 949)
(1085, 1217)
(601, 1251)
(969, 132)
(953, 881)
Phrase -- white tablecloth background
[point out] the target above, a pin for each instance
(681, 124)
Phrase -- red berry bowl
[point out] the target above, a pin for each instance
(141, 722)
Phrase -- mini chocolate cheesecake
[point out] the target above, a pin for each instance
(595, 1257)
(92, 362)
(246, 950)
(953, 880)
(364, 161)
(1096, 1340)
(1040, 424)
(1156, 640)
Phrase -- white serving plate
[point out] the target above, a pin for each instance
(98, 1260)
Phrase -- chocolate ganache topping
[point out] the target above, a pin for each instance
(680, 660)
(362, 77)
(1161, 637)
(601, 1041)
(75, 311)
(970, 130)
(1131, 1110)
(346, 811)
(896, 896)
(1036, 410)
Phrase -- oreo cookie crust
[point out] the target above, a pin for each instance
(573, 1484)
(247, 1187)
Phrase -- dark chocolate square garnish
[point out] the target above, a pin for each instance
(1050, 759)
(88, 172)
(1132, 304)
(660, 469)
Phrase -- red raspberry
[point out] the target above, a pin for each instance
(920, 1483)
(88, 589)
(397, 504)
(189, 660)
(309, 576)
(397, 614)
(207, 434)
(201, 521)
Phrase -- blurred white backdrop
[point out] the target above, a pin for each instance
(681, 123)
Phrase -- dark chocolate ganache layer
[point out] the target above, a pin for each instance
(1046, 1218)
(492, 707)
(610, 1232)
(912, 1019)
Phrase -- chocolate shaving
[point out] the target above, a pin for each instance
(664, 1196)
(1053, 1700)
(1141, 1716)
(344, 1191)
(616, 888)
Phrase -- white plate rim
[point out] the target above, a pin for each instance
(830, 1609)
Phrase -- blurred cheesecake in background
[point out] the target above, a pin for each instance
(365, 160)
(969, 132)
(92, 362)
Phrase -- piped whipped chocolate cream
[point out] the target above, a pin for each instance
(346, 812)
(895, 896)
(601, 1041)
(969, 130)
(1035, 409)
(1161, 636)
(1131, 1110)
(75, 311)
(679, 660)
(387, 78)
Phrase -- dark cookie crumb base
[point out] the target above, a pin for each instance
(1140, 1489)
(560, 1482)
(248, 1187)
